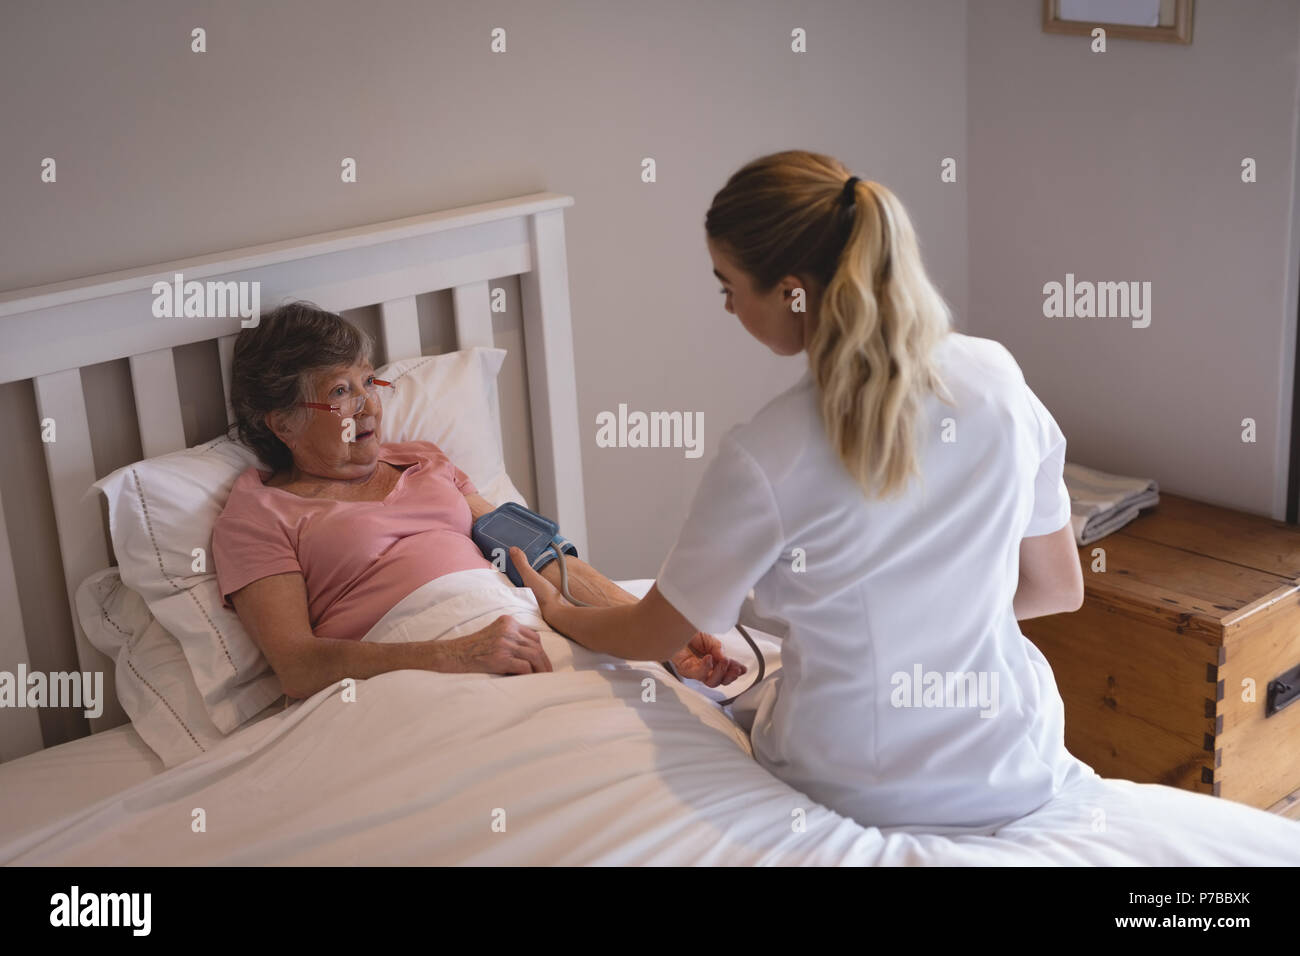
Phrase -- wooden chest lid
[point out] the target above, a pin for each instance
(1206, 565)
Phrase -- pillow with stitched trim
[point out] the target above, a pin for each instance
(154, 683)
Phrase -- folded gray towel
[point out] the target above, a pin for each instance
(1101, 503)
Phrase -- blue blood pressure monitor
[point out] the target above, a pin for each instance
(513, 525)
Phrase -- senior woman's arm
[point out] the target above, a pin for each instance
(650, 629)
(662, 634)
(585, 582)
(273, 610)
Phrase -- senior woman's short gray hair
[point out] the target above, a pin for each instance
(273, 367)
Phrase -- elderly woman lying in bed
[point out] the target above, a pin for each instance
(307, 560)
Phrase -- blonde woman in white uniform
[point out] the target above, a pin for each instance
(900, 508)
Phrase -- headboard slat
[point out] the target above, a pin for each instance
(157, 402)
(82, 547)
(20, 732)
(400, 323)
(473, 315)
(552, 392)
(226, 353)
(473, 318)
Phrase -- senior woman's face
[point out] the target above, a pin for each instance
(323, 447)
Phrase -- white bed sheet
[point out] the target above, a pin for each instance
(52, 783)
(572, 767)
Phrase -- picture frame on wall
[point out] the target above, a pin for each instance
(1163, 21)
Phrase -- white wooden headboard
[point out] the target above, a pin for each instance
(49, 333)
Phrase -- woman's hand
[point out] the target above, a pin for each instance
(547, 594)
(503, 647)
(703, 660)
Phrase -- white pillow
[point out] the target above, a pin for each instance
(449, 400)
(154, 682)
(162, 509)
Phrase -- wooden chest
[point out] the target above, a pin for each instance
(1180, 665)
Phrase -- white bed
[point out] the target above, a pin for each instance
(573, 767)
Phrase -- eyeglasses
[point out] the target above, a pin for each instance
(351, 407)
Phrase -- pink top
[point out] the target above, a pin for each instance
(358, 558)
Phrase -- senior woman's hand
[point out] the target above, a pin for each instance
(503, 647)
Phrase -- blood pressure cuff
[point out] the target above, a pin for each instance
(513, 525)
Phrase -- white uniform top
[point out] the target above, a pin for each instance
(908, 695)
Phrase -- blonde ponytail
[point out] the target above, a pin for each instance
(880, 317)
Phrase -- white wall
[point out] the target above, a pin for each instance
(164, 153)
(1127, 166)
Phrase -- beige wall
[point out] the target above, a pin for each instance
(164, 153)
(1127, 166)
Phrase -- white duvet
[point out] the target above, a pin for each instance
(571, 767)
